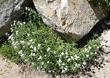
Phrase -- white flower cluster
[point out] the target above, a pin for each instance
(45, 55)
(21, 53)
(27, 8)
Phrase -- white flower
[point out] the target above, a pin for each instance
(76, 57)
(40, 57)
(72, 57)
(11, 28)
(28, 34)
(29, 21)
(14, 23)
(84, 63)
(89, 47)
(62, 54)
(35, 49)
(28, 43)
(62, 67)
(31, 50)
(66, 68)
(63, 64)
(63, 71)
(95, 52)
(45, 55)
(22, 42)
(10, 37)
(31, 46)
(7, 34)
(19, 7)
(66, 53)
(69, 59)
(59, 61)
(38, 46)
(20, 24)
(33, 63)
(23, 46)
(15, 47)
(76, 65)
(48, 49)
(47, 61)
(32, 54)
(21, 53)
(16, 32)
(91, 53)
(49, 71)
(26, 8)
(54, 52)
(26, 60)
(42, 63)
(13, 43)
(24, 22)
(87, 55)
(30, 40)
(66, 56)
(85, 49)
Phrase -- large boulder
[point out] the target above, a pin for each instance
(73, 19)
(10, 10)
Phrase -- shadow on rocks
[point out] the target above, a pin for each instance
(3, 39)
(102, 25)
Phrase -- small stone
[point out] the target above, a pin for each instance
(89, 74)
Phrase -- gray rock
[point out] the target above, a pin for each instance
(105, 41)
(10, 10)
(71, 18)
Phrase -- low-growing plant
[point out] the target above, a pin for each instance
(38, 45)
(9, 52)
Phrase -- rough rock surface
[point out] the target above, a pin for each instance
(101, 71)
(10, 10)
(8, 69)
(105, 41)
(12, 70)
(72, 18)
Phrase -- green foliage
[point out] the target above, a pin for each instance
(39, 45)
(104, 3)
(8, 51)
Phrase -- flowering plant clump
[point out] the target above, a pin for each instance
(39, 45)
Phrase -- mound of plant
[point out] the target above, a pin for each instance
(39, 45)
